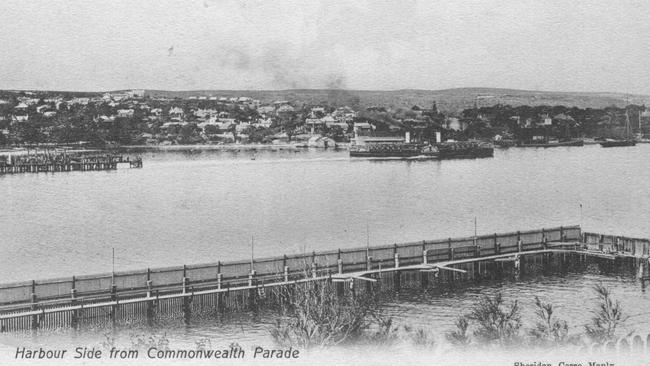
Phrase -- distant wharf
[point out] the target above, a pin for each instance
(65, 162)
(181, 292)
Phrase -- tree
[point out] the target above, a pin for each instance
(315, 315)
(548, 329)
(495, 321)
(607, 317)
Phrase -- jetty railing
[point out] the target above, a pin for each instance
(65, 162)
(615, 243)
(221, 275)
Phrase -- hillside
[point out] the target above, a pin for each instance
(448, 100)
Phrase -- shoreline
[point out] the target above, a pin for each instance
(297, 146)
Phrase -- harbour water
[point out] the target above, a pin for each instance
(201, 205)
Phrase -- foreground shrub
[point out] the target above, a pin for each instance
(314, 315)
(495, 322)
(607, 317)
(548, 329)
(460, 336)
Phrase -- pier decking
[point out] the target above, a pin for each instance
(181, 291)
(64, 162)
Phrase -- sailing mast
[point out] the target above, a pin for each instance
(627, 124)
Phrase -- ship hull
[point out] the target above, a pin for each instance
(556, 144)
(440, 151)
(391, 154)
(617, 143)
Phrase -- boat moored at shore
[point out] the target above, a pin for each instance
(551, 143)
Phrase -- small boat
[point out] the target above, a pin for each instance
(576, 142)
(628, 141)
(617, 143)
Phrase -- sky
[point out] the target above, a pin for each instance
(93, 45)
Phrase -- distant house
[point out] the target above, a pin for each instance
(125, 113)
(21, 106)
(318, 109)
(202, 113)
(136, 93)
(265, 109)
(264, 122)
(328, 120)
(171, 125)
(105, 119)
(30, 101)
(49, 114)
(563, 118)
(314, 122)
(20, 118)
(363, 127)
(344, 113)
(176, 113)
(203, 125)
(242, 127)
(80, 101)
(516, 119)
(545, 120)
(285, 108)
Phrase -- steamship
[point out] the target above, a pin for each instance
(402, 147)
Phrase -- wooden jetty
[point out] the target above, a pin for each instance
(65, 162)
(179, 292)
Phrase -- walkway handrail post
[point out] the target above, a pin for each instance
(339, 263)
(251, 277)
(185, 283)
(219, 275)
(73, 290)
(149, 282)
(396, 260)
(424, 256)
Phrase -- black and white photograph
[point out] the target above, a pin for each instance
(311, 182)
